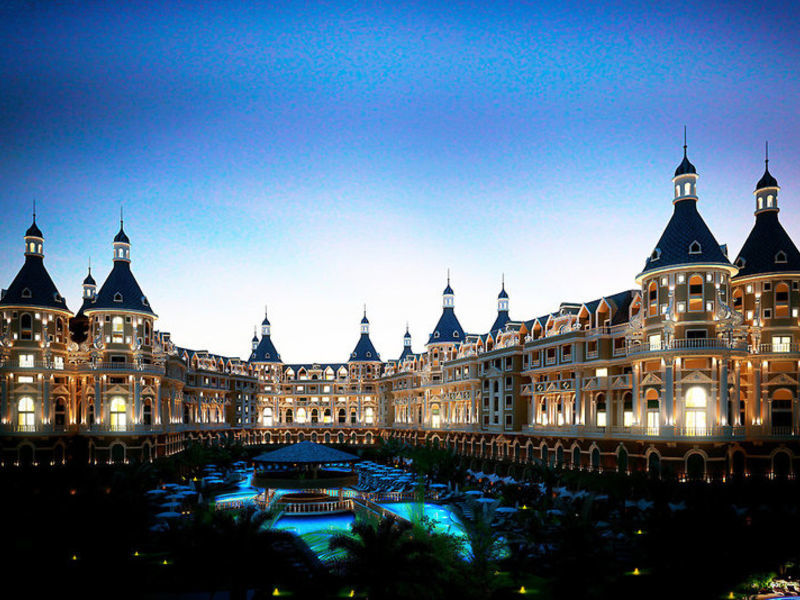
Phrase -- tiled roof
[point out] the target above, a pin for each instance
(265, 352)
(448, 329)
(761, 252)
(686, 240)
(364, 350)
(33, 287)
(121, 292)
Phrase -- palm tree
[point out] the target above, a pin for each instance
(390, 560)
(483, 538)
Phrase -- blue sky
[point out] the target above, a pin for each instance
(317, 156)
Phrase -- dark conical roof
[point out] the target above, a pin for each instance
(677, 244)
(500, 322)
(448, 329)
(448, 290)
(255, 337)
(265, 352)
(364, 351)
(767, 180)
(121, 292)
(364, 320)
(33, 230)
(503, 293)
(407, 334)
(768, 248)
(89, 279)
(121, 236)
(33, 287)
(266, 320)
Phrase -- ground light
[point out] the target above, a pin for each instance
(74, 557)
(276, 592)
(522, 590)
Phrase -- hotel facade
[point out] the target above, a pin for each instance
(692, 372)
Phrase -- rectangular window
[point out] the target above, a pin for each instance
(781, 343)
(655, 342)
(26, 360)
(58, 362)
(767, 313)
(601, 419)
(24, 379)
(767, 286)
(652, 422)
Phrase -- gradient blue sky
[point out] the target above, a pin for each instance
(318, 156)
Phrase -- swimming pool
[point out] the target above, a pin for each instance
(317, 530)
(443, 519)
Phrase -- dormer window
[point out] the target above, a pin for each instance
(26, 293)
(369, 354)
(655, 255)
(117, 297)
(144, 301)
(436, 334)
(741, 262)
(455, 334)
(780, 257)
(695, 248)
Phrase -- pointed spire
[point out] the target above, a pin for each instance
(33, 230)
(686, 167)
(767, 180)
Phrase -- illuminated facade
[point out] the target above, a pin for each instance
(695, 370)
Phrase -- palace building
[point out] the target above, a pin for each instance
(693, 371)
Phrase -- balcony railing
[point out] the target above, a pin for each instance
(687, 344)
(774, 348)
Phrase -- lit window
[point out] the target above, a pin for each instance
(781, 343)
(26, 418)
(695, 293)
(117, 329)
(119, 417)
(26, 360)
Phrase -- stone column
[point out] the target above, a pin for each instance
(578, 399)
(738, 398)
(4, 399)
(757, 393)
(668, 392)
(723, 394)
(137, 400)
(635, 391)
(98, 391)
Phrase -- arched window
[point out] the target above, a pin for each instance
(627, 409)
(738, 299)
(687, 188)
(652, 299)
(436, 418)
(147, 333)
(267, 416)
(119, 418)
(353, 416)
(601, 410)
(301, 415)
(60, 413)
(696, 293)
(695, 247)
(781, 300)
(342, 416)
(288, 417)
(369, 415)
(59, 331)
(147, 412)
(314, 415)
(26, 327)
(653, 411)
(117, 329)
(695, 403)
(769, 200)
(26, 419)
(781, 412)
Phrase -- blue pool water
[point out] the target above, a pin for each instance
(444, 521)
(317, 530)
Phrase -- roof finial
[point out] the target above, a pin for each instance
(265, 311)
(365, 309)
(406, 326)
(684, 140)
(120, 216)
(34, 210)
(503, 281)
(90, 265)
(766, 153)
(448, 275)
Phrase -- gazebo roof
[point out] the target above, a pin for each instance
(307, 453)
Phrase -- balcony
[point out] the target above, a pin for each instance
(775, 348)
(699, 345)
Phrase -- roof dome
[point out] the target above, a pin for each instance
(767, 180)
(89, 279)
(255, 337)
(266, 320)
(448, 289)
(407, 334)
(364, 320)
(121, 237)
(503, 293)
(33, 230)
(686, 167)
